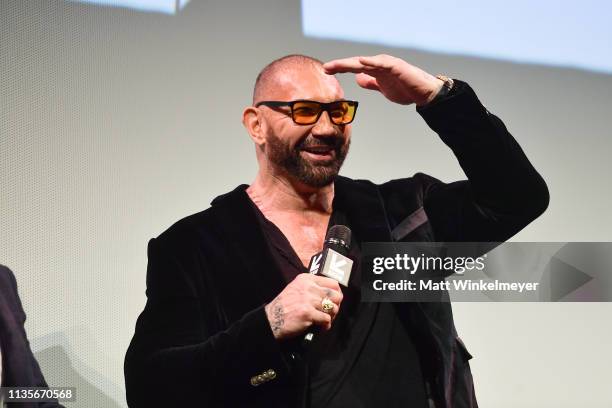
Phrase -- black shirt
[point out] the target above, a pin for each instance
(357, 362)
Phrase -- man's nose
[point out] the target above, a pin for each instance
(324, 126)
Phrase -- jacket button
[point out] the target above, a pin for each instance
(263, 377)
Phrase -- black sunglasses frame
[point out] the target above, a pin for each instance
(325, 107)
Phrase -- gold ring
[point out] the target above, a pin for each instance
(327, 305)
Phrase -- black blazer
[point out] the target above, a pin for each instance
(19, 367)
(203, 335)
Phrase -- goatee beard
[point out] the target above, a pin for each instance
(313, 174)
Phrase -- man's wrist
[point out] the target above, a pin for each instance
(275, 315)
(446, 85)
(437, 87)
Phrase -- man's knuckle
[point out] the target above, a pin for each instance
(304, 312)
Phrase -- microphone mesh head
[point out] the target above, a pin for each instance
(339, 232)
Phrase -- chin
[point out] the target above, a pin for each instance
(318, 179)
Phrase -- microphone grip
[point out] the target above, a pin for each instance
(309, 337)
(338, 267)
(313, 268)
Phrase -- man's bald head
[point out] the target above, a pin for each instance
(270, 76)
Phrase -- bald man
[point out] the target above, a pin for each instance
(228, 299)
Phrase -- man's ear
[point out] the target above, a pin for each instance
(251, 119)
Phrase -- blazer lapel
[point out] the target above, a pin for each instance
(363, 206)
(247, 244)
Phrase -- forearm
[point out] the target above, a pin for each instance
(503, 187)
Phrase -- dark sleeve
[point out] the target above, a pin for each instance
(182, 354)
(37, 380)
(503, 192)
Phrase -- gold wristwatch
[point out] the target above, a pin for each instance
(448, 82)
(446, 88)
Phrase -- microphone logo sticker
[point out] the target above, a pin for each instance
(337, 267)
(314, 263)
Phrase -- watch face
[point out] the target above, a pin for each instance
(448, 82)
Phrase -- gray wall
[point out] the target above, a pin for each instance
(116, 123)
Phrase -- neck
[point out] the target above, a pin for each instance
(273, 192)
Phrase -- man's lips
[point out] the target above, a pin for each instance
(320, 152)
(318, 149)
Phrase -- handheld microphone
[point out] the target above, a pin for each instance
(332, 261)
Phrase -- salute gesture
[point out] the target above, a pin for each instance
(396, 79)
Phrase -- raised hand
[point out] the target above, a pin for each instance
(396, 79)
(298, 306)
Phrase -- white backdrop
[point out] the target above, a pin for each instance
(115, 123)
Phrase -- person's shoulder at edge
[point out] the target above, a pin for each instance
(7, 278)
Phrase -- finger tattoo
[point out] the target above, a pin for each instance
(278, 315)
